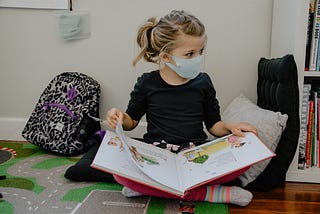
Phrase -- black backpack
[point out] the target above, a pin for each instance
(62, 121)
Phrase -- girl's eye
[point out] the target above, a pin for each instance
(189, 54)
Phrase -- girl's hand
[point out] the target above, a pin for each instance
(239, 128)
(220, 128)
(114, 116)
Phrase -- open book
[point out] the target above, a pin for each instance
(176, 173)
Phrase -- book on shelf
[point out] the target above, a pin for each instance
(309, 133)
(303, 126)
(309, 33)
(316, 146)
(176, 173)
(314, 129)
(314, 158)
(315, 142)
(315, 37)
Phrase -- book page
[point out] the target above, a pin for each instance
(159, 164)
(220, 157)
(112, 157)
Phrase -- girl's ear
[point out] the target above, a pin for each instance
(164, 57)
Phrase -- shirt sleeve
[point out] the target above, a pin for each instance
(137, 104)
(211, 106)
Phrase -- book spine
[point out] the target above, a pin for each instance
(315, 131)
(318, 51)
(309, 33)
(309, 134)
(315, 37)
(304, 126)
(318, 139)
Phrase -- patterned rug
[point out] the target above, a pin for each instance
(34, 183)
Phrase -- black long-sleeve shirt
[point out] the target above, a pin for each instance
(174, 114)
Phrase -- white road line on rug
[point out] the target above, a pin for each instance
(79, 204)
(147, 205)
(76, 208)
(123, 204)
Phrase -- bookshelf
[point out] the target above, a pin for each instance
(311, 74)
(289, 33)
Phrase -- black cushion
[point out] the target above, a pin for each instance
(278, 90)
(82, 171)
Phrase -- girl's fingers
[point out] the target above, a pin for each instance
(120, 118)
(114, 116)
(238, 132)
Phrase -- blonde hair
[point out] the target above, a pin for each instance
(155, 36)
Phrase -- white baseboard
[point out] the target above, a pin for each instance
(11, 128)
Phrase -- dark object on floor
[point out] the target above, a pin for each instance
(82, 171)
(1, 178)
(5, 156)
(277, 90)
(186, 207)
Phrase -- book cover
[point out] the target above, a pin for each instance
(176, 173)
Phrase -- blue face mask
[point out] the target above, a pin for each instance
(187, 68)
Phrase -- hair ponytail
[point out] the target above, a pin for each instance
(144, 40)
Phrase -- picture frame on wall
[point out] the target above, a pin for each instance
(37, 4)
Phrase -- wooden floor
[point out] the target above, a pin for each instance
(289, 198)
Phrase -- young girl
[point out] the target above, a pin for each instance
(177, 100)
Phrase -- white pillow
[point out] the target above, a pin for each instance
(269, 125)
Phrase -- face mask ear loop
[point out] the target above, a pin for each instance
(173, 61)
(169, 56)
(161, 62)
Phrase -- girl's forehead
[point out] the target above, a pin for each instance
(191, 42)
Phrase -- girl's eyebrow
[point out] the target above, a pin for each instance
(193, 50)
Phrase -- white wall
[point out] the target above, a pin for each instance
(31, 54)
